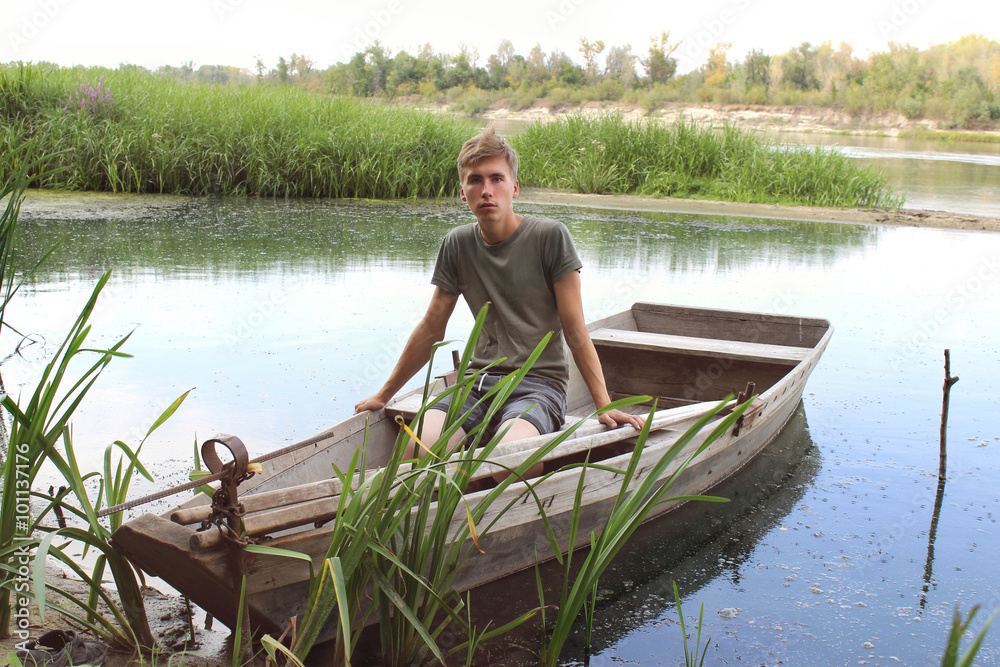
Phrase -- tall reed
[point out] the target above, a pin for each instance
(163, 136)
(167, 137)
(39, 426)
(609, 154)
(630, 509)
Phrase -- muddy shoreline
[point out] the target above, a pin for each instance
(96, 205)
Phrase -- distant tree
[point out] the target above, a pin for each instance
(461, 72)
(337, 79)
(570, 74)
(369, 70)
(536, 70)
(402, 76)
(717, 67)
(216, 74)
(799, 67)
(260, 68)
(496, 72)
(471, 54)
(300, 65)
(426, 52)
(505, 52)
(660, 66)
(517, 70)
(590, 51)
(183, 73)
(757, 66)
(282, 69)
(620, 65)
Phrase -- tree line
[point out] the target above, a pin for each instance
(955, 83)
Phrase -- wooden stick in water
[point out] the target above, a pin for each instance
(949, 380)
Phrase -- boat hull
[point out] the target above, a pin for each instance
(688, 357)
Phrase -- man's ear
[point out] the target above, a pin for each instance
(517, 187)
(461, 192)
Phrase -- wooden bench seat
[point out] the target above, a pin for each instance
(703, 347)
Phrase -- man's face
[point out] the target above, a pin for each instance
(489, 189)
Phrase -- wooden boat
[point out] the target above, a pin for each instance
(688, 358)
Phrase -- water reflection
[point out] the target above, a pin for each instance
(246, 237)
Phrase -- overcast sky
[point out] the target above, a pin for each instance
(237, 32)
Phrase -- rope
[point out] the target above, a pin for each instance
(188, 486)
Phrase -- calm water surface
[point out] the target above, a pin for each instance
(281, 315)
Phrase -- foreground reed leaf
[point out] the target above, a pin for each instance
(955, 634)
(630, 509)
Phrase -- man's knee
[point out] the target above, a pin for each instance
(517, 429)
(430, 432)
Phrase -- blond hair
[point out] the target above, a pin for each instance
(484, 146)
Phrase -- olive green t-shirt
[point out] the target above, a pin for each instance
(516, 276)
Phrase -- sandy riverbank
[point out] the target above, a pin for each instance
(772, 119)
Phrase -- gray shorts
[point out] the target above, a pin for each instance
(544, 400)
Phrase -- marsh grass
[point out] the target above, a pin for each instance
(167, 137)
(164, 136)
(609, 154)
(696, 657)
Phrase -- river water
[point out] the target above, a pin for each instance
(280, 315)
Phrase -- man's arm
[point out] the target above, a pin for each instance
(570, 304)
(417, 352)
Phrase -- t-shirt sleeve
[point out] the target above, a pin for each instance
(560, 253)
(446, 268)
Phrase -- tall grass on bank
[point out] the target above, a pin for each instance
(161, 136)
(609, 154)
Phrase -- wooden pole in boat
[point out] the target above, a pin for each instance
(949, 380)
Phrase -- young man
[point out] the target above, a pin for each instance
(528, 269)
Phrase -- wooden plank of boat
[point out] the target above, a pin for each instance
(316, 503)
(708, 347)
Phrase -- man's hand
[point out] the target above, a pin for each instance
(616, 418)
(372, 403)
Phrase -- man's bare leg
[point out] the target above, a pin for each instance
(433, 426)
(519, 429)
